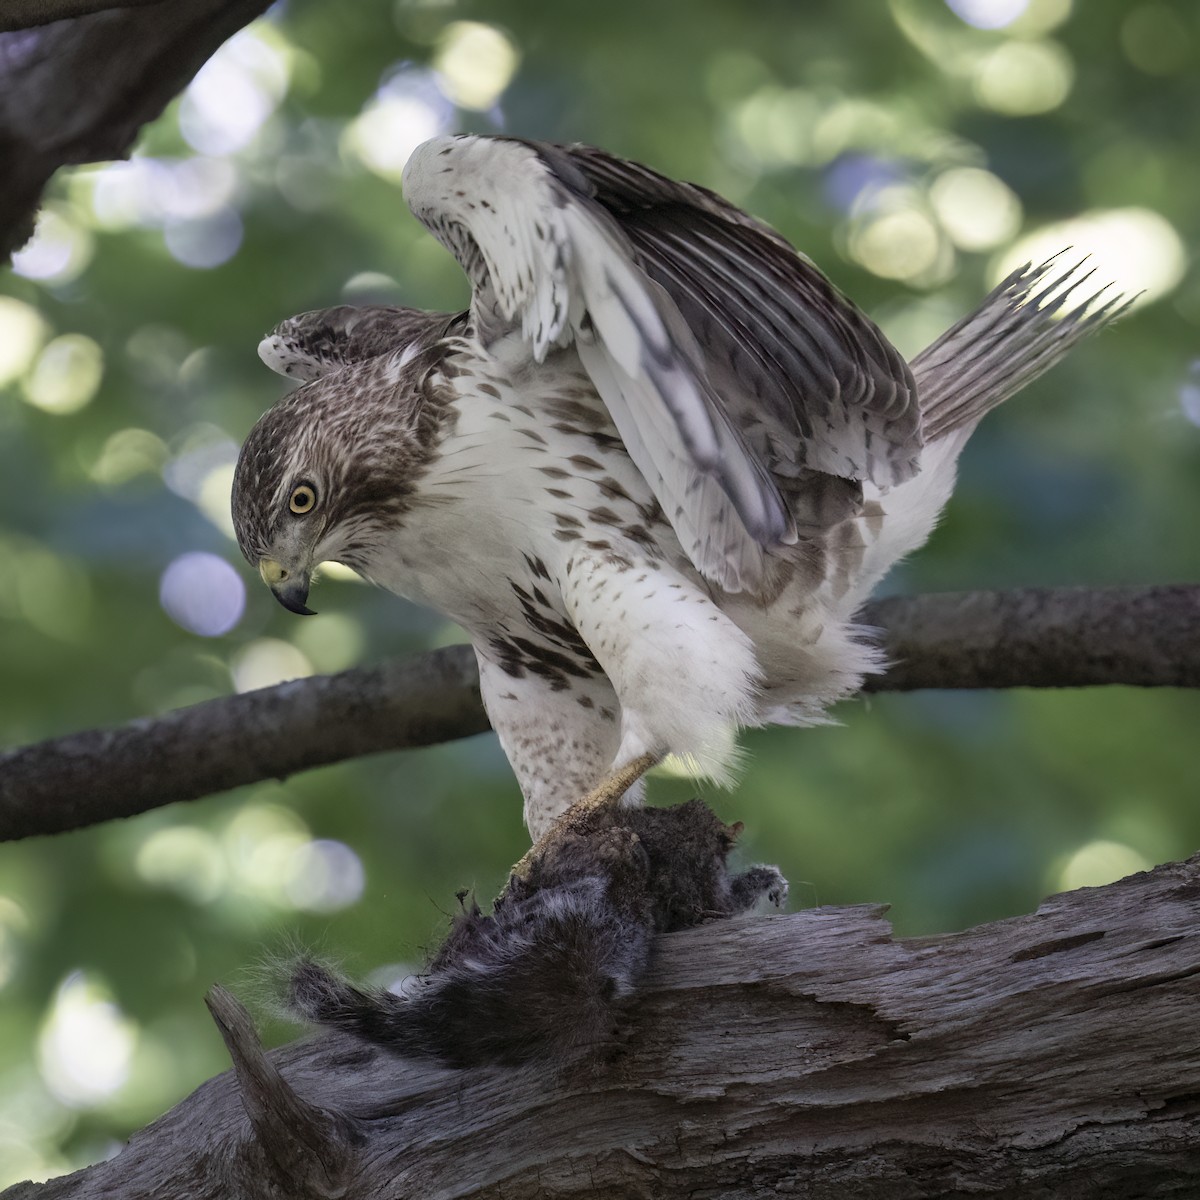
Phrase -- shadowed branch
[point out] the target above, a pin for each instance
(80, 90)
(1142, 637)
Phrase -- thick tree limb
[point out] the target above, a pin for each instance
(1146, 637)
(1051, 1055)
(23, 14)
(79, 90)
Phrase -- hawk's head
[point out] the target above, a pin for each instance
(328, 473)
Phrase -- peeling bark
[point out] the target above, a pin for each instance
(1145, 637)
(1050, 1055)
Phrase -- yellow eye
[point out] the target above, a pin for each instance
(304, 499)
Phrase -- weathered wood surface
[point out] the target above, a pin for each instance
(1051, 1055)
(1026, 637)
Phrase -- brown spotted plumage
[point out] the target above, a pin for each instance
(653, 471)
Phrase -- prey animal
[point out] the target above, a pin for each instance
(551, 971)
(654, 469)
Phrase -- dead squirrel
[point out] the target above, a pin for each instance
(547, 973)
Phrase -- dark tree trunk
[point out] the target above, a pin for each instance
(79, 90)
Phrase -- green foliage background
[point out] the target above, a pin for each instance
(954, 808)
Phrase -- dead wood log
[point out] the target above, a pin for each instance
(1050, 1055)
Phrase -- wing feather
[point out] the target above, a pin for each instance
(312, 344)
(863, 392)
(727, 361)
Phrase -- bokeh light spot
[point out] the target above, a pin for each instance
(214, 500)
(675, 766)
(205, 242)
(127, 454)
(988, 14)
(153, 192)
(185, 860)
(22, 331)
(408, 110)
(336, 570)
(1041, 17)
(1021, 79)
(202, 593)
(233, 94)
(854, 124)
(1098, 863)
(371, 287)
(978, 210)
(191, 188)
(852, 177)
(902, 243)
(1189, 393)
(205, 449)
(86, 1044)
(474, 64)
(14, 922)
(66, 375)
(330, 641)
(324, 876)
(58, 251)
(260, 844)
(775, 125)
(1136, 248)
(268, 661)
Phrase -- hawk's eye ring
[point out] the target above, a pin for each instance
(304, 499)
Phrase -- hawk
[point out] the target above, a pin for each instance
(654, 469)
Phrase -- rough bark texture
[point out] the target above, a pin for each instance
(1041, 637)
(1148, 637)
(102, 774)
(79, 90)
(1052, 1055)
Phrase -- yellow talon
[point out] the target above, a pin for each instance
(606, 793)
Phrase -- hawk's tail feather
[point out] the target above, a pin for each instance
(1020, 331)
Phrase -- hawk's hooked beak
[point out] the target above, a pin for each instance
(289, 587)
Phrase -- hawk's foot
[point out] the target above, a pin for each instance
(580, 818)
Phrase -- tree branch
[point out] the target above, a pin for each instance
(80, 90)
(1041, 637)
(1048, 1055)
(85, 778)
(1145, 637)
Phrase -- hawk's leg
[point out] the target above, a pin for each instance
(685, 675)
(561, 733)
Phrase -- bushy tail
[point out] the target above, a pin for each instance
(1017, 333)
(545, 978)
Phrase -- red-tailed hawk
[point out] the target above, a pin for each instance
(654, 470)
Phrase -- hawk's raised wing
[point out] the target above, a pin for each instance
(727, 361)
(314, 343)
